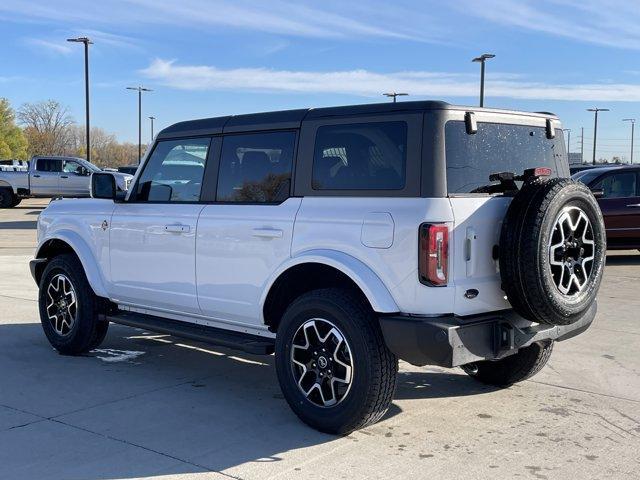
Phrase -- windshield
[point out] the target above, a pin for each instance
(587, 176)
(495, 148)
(89, 166)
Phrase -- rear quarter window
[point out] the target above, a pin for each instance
(497, 147)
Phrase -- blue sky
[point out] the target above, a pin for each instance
(218, 57)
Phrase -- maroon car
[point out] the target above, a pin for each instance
(618, 191)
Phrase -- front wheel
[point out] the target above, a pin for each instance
(69, 309)
(333, 366)
(515, 368)
(7, 198)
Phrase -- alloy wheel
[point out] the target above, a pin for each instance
(571, 251)
(62, 306)
(322, 362)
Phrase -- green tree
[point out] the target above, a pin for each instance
(13, 144)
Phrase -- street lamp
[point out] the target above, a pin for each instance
(140, 89)
(482, 59)
(595, 128)
(152, 119)
(633, 125)
(394, 95)
(568, 141)
(86, 41)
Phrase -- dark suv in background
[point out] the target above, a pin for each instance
(618, 191)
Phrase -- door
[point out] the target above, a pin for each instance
(45, 177)
(74, 179)
(620, 205)
(478, 215)
(246, 234)
(153, 233)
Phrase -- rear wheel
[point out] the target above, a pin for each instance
(69, 308)
(7, 197)
(514, 368)
(333, 366)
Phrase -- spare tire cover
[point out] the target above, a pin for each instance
(552, 251)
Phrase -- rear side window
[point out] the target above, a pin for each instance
(49, 165)
(495, 148)
(174, 171)
(618, 185)
(362, 156)
(256, 168)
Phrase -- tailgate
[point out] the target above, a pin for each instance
(476, 233)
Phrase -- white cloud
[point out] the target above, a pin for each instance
(371, 84)
(612, 23)
(57, 47)
(331, 19)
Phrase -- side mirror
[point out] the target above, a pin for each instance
(597, 192)
(103, 185)
(82, 171)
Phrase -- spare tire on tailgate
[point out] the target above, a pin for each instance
(552, 249)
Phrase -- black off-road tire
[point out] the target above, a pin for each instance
(7, 197)
(512, 369)
(87, 330)
(375, 368)
(527, 230)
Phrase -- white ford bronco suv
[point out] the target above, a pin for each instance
(340, 239)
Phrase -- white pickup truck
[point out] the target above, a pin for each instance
(52, 177)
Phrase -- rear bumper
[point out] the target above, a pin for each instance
(450, 341)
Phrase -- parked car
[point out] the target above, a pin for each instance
(52, 177)
(130, 169)
(341, 239)
(617, 189)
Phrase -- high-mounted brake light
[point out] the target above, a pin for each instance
(434, 254)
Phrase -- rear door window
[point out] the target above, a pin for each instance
(49, 165)
(618, 185)
(256, 167)
(497, 147)
(363, 156)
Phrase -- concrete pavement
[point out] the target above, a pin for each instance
(153, 406)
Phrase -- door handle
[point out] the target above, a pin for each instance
(64, 176)
(36, 176)
(177, 228)
(637, 205)
(267, 233)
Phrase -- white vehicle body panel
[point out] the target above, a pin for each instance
(238, 248)
(338, 224)
(153, 255)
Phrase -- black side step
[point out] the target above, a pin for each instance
(202, 333)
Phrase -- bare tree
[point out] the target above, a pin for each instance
(48, 128)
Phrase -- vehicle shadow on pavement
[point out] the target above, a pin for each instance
(623, 259)
(173, 405)
(19, 225)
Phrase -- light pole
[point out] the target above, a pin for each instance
(482, 60)
(86, 41)
(152, 119)
(394, 95)
(595, 128)
(140, 89)
(568, 141)
(633, 126)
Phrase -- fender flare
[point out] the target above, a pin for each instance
(366, 279)
(84, 253)
(5, 183)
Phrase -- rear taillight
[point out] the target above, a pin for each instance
(434, 254)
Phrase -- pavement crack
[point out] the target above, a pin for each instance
(19, 298)
(585, 391)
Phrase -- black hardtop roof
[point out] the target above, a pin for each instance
(293, 118)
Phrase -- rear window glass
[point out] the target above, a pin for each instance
(495, 148)
(362, 156)
(256, 167)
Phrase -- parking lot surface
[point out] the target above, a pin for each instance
(146, 405)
